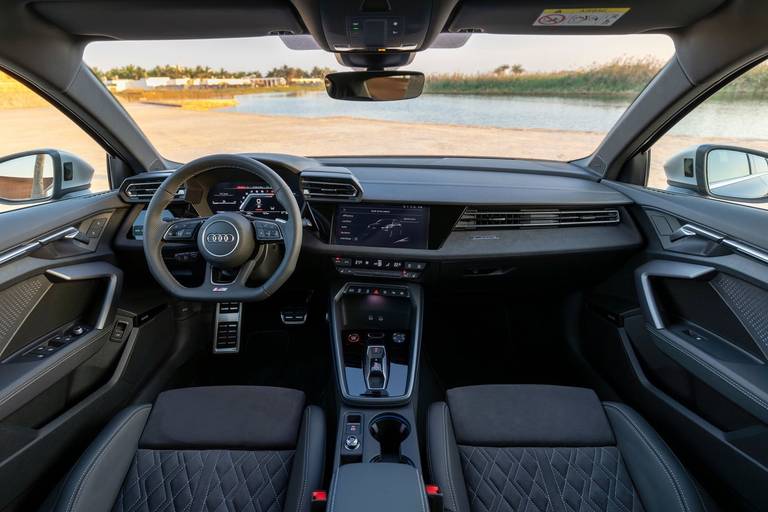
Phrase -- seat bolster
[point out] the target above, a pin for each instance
(95, 481)
(444, 459)
(661, 480)
(308, 461)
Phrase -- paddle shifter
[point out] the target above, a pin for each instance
(375, 367)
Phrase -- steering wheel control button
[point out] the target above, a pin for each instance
(267, 231)
(181, 231)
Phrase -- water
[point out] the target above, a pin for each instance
(741, 119)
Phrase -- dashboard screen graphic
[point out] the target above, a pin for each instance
(253, 198)
(382, 226)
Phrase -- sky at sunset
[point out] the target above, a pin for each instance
(483, 52)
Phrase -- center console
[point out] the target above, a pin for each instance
(376, 331)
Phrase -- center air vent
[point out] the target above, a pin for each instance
(336, 185)
(496, 218)
(142, 191)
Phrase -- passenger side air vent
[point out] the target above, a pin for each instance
(142, 191)
(496, 218)
(332, 185)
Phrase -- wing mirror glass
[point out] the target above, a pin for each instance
(736, 173)
(43, 174)
(374, 85)
(726, 172)
(27, 178)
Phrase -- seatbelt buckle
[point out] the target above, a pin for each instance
(319, 501)
(434, 498)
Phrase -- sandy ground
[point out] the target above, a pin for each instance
(183, 135)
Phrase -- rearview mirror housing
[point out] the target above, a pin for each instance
(374, 85)
(720, 171)
(42, 175)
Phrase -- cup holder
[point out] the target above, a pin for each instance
(390, 430)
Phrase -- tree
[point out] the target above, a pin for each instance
(517, 69)
(318, 72)
(501, 70)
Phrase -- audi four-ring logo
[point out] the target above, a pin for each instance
(219, 238)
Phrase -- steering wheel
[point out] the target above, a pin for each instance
(230, 243)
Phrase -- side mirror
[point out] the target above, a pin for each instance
(42, 174)
(725, 172)
(374, 85)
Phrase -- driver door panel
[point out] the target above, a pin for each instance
(58, 311)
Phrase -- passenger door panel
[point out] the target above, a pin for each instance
(694, 355)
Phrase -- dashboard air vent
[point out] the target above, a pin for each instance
(142, 191)
(496, 218)
(336, 186)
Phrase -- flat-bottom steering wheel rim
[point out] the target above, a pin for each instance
(237, 291)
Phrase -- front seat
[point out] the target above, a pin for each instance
(550, 448)
(204, 449)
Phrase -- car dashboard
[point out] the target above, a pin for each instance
(409, 218)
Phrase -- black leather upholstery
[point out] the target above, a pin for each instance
(550, 448)
(203, 449)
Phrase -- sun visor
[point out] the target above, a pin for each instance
(575, 17)
(164, 19)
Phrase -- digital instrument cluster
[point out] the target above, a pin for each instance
(253, 198)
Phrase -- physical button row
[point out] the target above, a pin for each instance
(384, 291)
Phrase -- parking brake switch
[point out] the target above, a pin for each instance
(375, 367)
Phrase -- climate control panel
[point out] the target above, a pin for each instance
(378, 267)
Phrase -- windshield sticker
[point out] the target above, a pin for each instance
(592, 17)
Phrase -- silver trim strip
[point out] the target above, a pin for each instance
(31, 247)
(740, 247)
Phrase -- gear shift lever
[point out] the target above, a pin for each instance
(375, 367)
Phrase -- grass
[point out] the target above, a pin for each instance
(620, 78)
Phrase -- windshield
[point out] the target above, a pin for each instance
(537, 97)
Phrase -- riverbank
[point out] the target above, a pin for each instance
(204, 98)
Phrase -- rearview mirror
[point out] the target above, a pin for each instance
(725, 172)
(39, 175)
(374, 85)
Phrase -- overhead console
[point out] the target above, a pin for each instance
(375, 25)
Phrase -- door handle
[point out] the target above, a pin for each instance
(30, 247)
(687, 230)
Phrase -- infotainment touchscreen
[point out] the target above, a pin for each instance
(380, 225)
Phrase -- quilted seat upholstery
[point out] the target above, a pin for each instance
(237, 480)
(550, 449)
(216, 449)
(585, 479)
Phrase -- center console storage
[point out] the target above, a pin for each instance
(382, 487)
